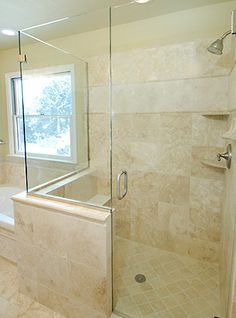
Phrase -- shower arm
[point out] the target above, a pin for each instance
(225, 35)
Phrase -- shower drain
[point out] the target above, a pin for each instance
(140, 278)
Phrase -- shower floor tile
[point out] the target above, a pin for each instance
(189, 288)
(175, 286)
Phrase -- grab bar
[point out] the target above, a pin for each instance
(120, 195)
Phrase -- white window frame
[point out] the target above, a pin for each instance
(12, 118)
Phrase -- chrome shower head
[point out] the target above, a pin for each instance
(217, 46)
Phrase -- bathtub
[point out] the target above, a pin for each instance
(78, 187)
(6, 205)
(7, 228)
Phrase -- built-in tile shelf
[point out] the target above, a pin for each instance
(231, 133)
(99, 199)
(214, 163)
(220, 113)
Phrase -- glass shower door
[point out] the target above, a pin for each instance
(167, 227)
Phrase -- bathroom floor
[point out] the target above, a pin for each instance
(176, 286)
(12, 303)
(15, 305)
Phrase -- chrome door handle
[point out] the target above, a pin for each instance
(120, 195)
(226, 155)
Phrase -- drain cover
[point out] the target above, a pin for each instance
(140, 278)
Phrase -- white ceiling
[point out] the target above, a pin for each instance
(20, 14)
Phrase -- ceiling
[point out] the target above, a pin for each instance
(20, 14)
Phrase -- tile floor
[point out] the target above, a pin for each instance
(15, 305)
(176, 286)
(12, 303)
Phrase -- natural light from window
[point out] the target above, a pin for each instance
(48, 107)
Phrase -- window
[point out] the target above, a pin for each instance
(49, 113)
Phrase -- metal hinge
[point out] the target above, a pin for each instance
(22, 58)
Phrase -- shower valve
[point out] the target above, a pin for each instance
(222, 155)
(226, 155)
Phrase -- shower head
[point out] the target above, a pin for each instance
(217, 46)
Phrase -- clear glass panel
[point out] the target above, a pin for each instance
(48, 94)
(167, 229)
(48, 135)
(66, 108)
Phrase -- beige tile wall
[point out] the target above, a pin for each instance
(227, 248)
(12, 172)
(160, 138)
(174, 200)
(64, 257)
(2, 174)
(8, 248)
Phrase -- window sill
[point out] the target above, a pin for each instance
(46, 162)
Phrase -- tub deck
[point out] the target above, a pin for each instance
(7, 225)
(6, 204)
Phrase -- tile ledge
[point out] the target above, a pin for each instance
(90, 214)
(231, 133)
(213, 163)
(6, 232)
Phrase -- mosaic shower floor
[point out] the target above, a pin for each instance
(176, 286)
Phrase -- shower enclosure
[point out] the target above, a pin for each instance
(128, 115)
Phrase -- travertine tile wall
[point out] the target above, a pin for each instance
(160, 137)
(2, 177)
(167, 205)
(64, 256)
(12, 172)
(228, 246)
(8, 247)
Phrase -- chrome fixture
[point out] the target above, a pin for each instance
(2, 142)
(120, 195)
(226, 155)
(217, 46)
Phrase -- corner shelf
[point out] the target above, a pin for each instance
(213, 163)
(220, 113)
(231, 133)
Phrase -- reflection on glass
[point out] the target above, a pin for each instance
(46, 135)
(66, 119)
(48, 107)
(48, 94)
